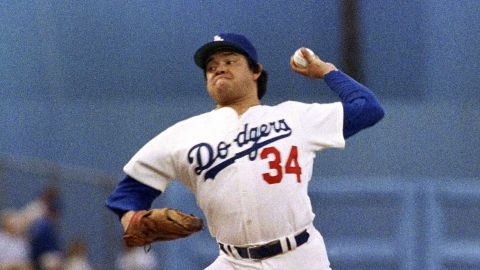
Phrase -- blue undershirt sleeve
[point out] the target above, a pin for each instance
(360, 106)
(130, 194)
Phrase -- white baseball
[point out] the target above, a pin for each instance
(299, 59)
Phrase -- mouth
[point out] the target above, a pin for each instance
(219, 77)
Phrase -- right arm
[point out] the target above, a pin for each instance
(129, 196)
(148, 173)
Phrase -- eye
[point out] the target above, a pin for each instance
(211, 68)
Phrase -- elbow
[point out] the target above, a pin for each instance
(361, 117)
(378, 113)
(372, 115)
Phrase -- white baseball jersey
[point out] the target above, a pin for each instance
(249, 173)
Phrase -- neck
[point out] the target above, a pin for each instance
(241, 107)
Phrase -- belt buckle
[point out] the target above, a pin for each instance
(274, 242)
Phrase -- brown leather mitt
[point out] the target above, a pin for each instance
(148, 226)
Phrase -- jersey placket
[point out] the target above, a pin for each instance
(243, 173)
(247, 184)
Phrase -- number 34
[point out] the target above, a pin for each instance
(291, 166)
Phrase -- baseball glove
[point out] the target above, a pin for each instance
(148, 226)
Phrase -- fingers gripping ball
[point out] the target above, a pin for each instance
(298, 58)
(148, 226)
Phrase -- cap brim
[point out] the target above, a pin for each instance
(202, 54)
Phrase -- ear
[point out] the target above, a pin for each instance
(257, 74)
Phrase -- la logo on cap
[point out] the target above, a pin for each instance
(217, 38)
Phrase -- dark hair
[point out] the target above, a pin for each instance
(255, 68)
(262, 80)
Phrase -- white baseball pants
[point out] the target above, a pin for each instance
(310, 256)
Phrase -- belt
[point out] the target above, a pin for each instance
(267, 250)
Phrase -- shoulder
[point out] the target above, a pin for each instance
(188, 128)
(310, 111)
(293, 105)
(191, 122)
(302, 105)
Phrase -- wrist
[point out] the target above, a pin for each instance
(329, 67)
(125, 220)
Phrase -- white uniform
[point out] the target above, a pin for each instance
(249, 173)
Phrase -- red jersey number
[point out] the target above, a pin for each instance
(291, 166)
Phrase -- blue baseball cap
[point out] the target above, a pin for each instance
(225, 41)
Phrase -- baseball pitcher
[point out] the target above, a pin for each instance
(248, 164)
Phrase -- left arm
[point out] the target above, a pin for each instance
(360, 106)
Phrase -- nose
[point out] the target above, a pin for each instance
(220, 69)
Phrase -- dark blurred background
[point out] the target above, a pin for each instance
(84, 84)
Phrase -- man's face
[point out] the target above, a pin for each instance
(229, 79)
